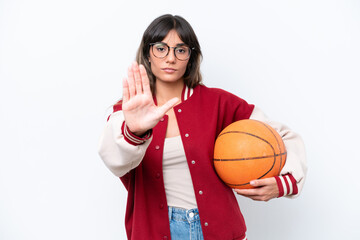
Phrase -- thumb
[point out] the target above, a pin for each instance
(263, 182)
(257, 183)
(168, 105)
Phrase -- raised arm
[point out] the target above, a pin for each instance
(127, 133)
(140, 112)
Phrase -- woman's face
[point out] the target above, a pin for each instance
(168, 69)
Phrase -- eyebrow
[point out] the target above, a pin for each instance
(177, 45)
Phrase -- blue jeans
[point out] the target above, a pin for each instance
(185, 224)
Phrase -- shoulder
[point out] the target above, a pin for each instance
(225, 102)
(117, 106)
(218, 93)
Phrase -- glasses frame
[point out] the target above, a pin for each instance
(152, 49)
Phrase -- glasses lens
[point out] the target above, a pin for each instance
(160, 50)
(182, 52)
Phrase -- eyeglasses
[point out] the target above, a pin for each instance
(161, 50)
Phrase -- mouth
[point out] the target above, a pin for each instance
(169, 70)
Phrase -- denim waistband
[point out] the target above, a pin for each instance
(182, 214)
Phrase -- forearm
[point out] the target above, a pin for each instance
(293, 174)
(121, 150)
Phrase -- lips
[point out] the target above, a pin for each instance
(169, 70)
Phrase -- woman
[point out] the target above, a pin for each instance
(160, 141)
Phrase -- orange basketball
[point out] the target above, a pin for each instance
(247, 150)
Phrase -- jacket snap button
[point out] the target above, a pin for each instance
(162, 119)
(157, 147)
(206, 224)
(186, 135)
(179, 110)
(161, 206)
(200, 192)
(193, 161)
(158, 175)
(165, 237)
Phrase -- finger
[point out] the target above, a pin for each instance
(125, 90)
(252, 194)
(263, 182)
(168, 105)
(145, 80)
(138, 84)
(259, 198)
(257, 183)
(131, 82)
(246, 192)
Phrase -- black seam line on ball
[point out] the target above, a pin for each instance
(249, 158)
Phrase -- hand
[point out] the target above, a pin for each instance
(140, 111)
(265, 189)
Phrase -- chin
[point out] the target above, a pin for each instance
(171, 79)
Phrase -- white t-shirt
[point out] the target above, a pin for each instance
(177, 179)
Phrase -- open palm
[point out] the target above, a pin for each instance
(140, 111)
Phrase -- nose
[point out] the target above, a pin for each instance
(171, 56)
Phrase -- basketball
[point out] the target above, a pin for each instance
(248, 150)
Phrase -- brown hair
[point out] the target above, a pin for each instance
(156, 32)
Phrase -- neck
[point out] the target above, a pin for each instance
(166, 91)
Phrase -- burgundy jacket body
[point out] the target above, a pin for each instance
(200, 119)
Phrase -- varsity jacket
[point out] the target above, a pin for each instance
(201, 115)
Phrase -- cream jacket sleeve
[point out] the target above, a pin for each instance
(120, 150)
(296, 159)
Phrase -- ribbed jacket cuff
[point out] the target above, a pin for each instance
(132, 138)
(287, 185)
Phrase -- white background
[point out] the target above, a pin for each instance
(61, 68)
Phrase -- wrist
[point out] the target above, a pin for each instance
(136, 132)
(287, 185)
(133, 138)
(139, 134)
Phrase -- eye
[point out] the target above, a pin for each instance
(181, 50)
(160, 47)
